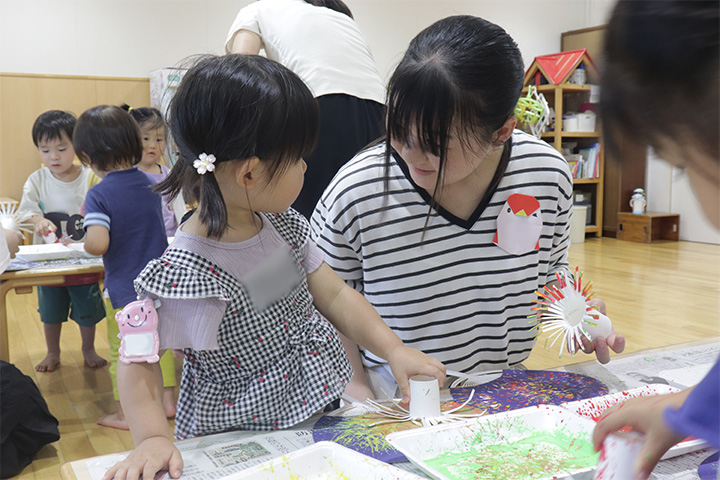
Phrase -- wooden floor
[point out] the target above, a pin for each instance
(657, 295)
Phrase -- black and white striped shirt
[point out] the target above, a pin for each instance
(450, 292)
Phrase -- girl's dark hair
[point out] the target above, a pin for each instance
(106, 136)
(661, 73)
(236, 107)
(52, 124)
(145, 116)
(337, 5)
(462, 73)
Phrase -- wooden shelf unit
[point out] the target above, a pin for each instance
(558, 96)
(624, 168)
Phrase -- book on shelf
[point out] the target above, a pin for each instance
(590, 162)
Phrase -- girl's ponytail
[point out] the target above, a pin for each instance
(213, 212)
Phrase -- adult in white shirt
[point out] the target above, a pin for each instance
(322, 44)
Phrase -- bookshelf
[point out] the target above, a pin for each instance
(563, 98)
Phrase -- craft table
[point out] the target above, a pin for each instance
(687, 362)
(45, 273)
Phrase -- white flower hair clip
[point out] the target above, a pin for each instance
(205, 163)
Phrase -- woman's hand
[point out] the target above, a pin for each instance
(602, 345)
(643, 415)
(406, 362)
(152, 455)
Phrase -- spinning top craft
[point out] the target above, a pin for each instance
(424, 406)
(564, 311)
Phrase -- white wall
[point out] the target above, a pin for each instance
(668, 190)
(131, 38)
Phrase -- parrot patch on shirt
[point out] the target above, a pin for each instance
(519, 225)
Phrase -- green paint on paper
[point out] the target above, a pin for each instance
(539, 454)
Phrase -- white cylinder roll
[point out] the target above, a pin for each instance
(424, 397)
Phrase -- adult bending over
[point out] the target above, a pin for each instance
(322, 44)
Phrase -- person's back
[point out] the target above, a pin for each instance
(320, 42)
(323, 47)
(125, 203)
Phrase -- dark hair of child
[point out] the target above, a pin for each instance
(337, 5)
(106, 136)
(462, 76)
(145, 116)
(237, 107)
(660, 80)
(52, 124)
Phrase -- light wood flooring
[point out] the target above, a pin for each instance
(657, 295)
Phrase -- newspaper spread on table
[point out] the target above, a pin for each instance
(209, 458)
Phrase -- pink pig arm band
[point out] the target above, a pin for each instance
(138, 322)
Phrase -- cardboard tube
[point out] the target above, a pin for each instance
(618, 455)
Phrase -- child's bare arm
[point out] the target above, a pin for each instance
(140, 388)
(356, 318)
(97, 240)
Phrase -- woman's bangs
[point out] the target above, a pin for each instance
(412, 120)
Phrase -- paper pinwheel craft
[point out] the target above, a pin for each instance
(563, 310)
(11, 220)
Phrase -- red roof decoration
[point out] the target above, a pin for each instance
(557, 67)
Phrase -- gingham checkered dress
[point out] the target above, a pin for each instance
(273, 368)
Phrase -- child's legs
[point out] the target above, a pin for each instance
(87, 310)
(167, 365)
(54, 305)
(112, 335)
(117, 418)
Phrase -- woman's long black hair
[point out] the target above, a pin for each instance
(462, 74)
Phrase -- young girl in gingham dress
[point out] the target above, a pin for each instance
(244, 294)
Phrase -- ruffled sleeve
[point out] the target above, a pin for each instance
(193, 301)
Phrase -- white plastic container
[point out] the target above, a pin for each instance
(586, 121)
(485, 442)
(594, 407)
(577, 226)
(570, 123)
(321, 461)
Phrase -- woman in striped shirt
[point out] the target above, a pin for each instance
(450, 226)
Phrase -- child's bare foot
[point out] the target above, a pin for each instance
(169, 403)
(114, 420)
(49, 363)
(93, 360)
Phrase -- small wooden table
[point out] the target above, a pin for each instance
(22, 281)
(648, 227)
